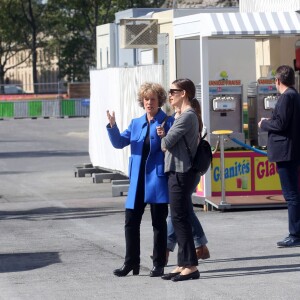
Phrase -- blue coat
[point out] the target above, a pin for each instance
(156, 187)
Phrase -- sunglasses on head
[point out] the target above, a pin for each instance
(172, 91)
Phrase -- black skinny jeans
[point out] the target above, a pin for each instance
(181, 187)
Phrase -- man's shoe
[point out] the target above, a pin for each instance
(202, 252)
(289, 242)
(157, 272)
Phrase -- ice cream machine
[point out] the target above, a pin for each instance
(226, 110)
(261, 98)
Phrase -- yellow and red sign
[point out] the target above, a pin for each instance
(266, 175)
(246, 173)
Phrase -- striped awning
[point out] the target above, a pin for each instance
(245, 24)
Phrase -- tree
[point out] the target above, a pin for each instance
(64, 28)
(75, 31)
(10, 42)
(70, 39)
(28, 18)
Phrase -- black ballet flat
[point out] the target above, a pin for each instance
(169, 276)
(125, 269)
(194, 275)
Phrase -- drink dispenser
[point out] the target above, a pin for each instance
(262, 98)
(226, 110)
(224, 103)
(270, 102)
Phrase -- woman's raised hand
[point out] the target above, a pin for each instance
(160, 131)
(111, 118)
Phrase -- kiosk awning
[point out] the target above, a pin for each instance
(245, 24)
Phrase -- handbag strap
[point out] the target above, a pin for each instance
(164, 121)
(188, 148)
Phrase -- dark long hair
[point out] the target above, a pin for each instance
(197, 108)
(190, 89)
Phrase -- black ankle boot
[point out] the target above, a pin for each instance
(125, 269)
(157, 272)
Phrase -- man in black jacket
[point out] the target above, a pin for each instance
(284, 147)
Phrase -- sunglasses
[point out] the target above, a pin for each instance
(172, 91)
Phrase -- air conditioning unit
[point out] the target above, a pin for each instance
(138, 33)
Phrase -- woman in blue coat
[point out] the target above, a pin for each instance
(148, 182)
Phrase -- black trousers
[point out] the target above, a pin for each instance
(133, 218)
(289, 179)
(181, 187)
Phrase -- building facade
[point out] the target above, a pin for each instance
(20, 72)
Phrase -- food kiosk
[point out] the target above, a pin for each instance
(246, 172)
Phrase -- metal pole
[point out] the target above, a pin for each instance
(222, 163)
(221, 134)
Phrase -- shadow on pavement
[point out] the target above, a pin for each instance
(253, 258)
(58, 213)
(18, 262)
(13, 172)
(41, 154)
(257, 270)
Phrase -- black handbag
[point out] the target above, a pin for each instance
(203, 156)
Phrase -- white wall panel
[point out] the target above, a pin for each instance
(115, 89)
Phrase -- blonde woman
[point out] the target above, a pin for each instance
(148, 182)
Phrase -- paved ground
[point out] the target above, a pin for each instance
(62, 236)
